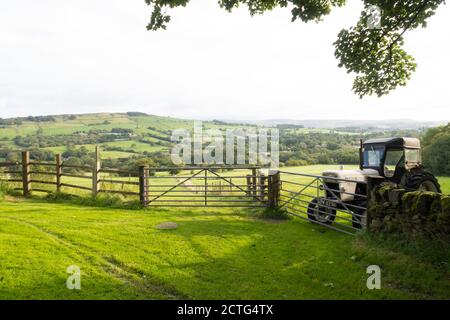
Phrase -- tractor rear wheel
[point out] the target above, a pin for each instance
(318, 212)
(423, 181)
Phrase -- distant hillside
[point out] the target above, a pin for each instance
(400, 124)
(128, 138)
(121, 135)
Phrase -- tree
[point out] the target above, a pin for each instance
(436, 150)
(374, 55)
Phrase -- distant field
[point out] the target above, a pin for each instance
(136, 145)
(322, 130)
(445, 184)
(105, 121)
(80, 123)
(105, 154)
(154, 129)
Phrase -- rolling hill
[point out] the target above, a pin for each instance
(119, 134)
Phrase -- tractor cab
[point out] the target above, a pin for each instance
(392, 158)
(396, 160)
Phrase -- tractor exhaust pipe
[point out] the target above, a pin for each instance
(360, 154)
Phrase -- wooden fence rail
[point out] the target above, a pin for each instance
(152, 186)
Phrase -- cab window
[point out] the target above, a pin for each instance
(372, 155)
(393, 159)
(412, 155)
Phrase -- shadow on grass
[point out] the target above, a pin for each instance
(230, 254)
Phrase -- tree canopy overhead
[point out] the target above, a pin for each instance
(375, 55)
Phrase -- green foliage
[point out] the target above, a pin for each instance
(376, 56)
(59, 197)
(19, 121)
(39, 140)
(304, 148)
(436, 150)
(102, 200)
(5, 189)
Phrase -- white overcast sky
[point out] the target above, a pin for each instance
(96, 56)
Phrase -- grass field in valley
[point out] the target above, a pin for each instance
(157, 126)
(215, 253)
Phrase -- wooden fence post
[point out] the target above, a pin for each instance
(144, 174)
(206, 187)
(95, 172)
(249, 185)
(58, 172)
(274, 188)
(26, 176)
(262, 186)
(254, 182)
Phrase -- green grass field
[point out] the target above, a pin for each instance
(106, 154)
(213, 254)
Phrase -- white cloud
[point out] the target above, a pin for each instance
(86, 56)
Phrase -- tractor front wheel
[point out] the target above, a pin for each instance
(319, 212)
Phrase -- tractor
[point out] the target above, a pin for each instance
(396, 161)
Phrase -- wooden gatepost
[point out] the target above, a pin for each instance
(26, 176)
(274, 186)
(96, 172)
(58, 162)
(144, 174)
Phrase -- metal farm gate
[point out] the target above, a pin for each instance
(324, 200)
(204, 187)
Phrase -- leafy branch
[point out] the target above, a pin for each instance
(375, 56)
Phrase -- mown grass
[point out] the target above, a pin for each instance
(213, 254)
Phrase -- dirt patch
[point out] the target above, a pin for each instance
(167, 225)
(12, 198)
(189, 185)
(274, 221)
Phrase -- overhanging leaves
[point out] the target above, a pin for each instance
(374, 55)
